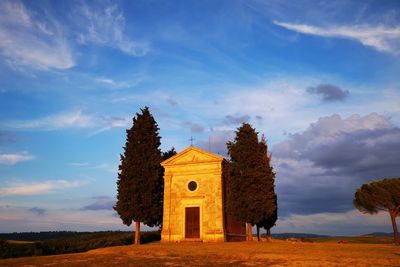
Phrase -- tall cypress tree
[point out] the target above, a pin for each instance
(248, 192)
(269, 222)
(271, 203)
(164, 156)
(140, 195)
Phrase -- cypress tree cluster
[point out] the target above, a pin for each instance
(249, 178)
(139, 184)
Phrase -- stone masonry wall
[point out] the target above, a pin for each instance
(207, 196)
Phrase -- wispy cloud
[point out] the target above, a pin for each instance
(105, 25)
(11, 159)
(111, 83)
(279, 102)
(73, 119)
(106, 123)
(156, 97)
(26, 189)
(107, 167)
(32, 40)
(79, 164)
(381, 38)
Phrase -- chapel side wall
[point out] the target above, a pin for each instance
(166, 232)
(207, 196)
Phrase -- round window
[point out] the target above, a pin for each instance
(192, 186)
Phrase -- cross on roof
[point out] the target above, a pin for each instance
(191, 140)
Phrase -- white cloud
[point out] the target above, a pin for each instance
(106, 81)
(216, 142)
(14, 12)
(73, 119)
(379, 37)
(105, 25)
(352, 222)
(116, 84)
(280, 102)
(30, 41)
(107, 167)
(320, 168)
(11, 159)
(22, 219)
(108, 123)
(38, 188)
(79, 164)
(285, 106)
(328, 131)
(156, 97)
(276, 107)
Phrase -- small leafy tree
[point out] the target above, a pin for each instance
(382, 195)
(167, 154)
(139, 185)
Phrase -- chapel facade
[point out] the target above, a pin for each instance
(193, 199)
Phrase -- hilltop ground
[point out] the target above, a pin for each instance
(275, 253)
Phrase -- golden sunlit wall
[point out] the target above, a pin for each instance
(203, 168)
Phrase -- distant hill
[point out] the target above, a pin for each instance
(62, 242)
(296, 235)
(49, 235)
(377, 234)
(305, 235)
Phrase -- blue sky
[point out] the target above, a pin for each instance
(319, 78)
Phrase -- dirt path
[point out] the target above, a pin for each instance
(277, 253)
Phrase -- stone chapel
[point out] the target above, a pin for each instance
(194, 198)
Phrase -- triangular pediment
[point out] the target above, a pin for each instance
(192, 155)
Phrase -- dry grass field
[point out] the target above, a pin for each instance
(275, 253)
